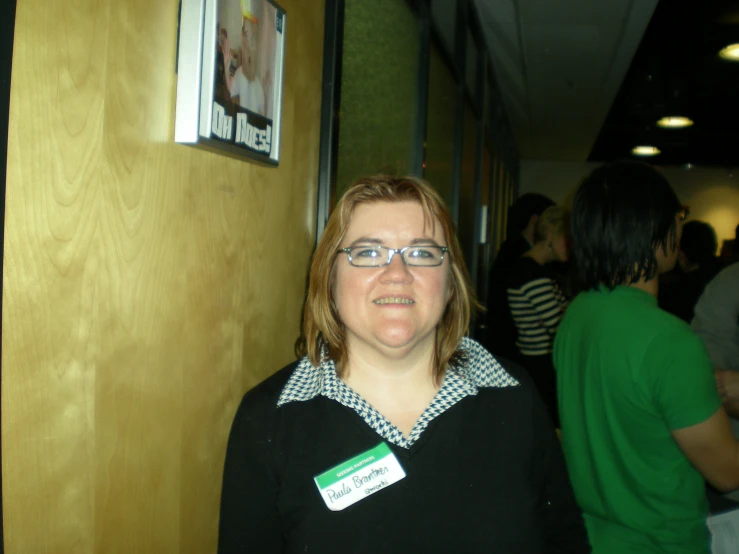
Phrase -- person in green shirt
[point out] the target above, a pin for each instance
(642, 421)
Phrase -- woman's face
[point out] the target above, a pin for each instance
(392, 310)
(561, 248)
(249, 32)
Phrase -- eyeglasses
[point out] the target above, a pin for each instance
(378, 256)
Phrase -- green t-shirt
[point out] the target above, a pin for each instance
(628, 373)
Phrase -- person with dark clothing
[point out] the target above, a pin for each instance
(499, 335)
(394, 432)
(697, 264)
(537, 303)
(730, 249)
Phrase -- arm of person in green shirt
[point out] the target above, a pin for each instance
(728, 388)
(688, 396)
(712, 449)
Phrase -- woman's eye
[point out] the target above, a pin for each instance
(366, 253)
(421, 253)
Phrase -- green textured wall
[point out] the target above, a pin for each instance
(379, 79)
(440, 126)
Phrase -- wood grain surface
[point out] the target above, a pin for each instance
(147, 285)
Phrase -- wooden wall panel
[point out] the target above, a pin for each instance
(147, 285)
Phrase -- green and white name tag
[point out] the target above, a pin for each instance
(356, 479)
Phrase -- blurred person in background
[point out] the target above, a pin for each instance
(499, 334)
(730, 249)
(642, 420)
(680, 288)
(537, 303)
(716, 321)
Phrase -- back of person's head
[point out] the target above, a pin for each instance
(699, 242)
(622, 214)
(553, 222)
(520, 213)
(322, 327)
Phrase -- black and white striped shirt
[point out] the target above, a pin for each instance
(536, 304)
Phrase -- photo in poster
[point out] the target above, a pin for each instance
(241, 77)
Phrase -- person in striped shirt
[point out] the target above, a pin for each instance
(537, 303)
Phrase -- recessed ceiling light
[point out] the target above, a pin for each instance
(730, 53)
(675, 122)
(646, 151)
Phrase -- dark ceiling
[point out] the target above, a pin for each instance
(677, 71)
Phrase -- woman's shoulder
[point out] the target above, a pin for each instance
(487, 370)
(265, 396)
(513, 369)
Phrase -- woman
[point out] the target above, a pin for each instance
(394, 433)
(537, 303)
(244, 85)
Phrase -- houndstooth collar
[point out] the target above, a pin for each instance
(482, 370)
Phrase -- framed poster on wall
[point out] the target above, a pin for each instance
(230, 62)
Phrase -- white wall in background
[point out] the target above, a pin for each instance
(711, 193)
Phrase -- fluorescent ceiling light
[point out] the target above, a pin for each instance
(675, 122)
(646, 151)
(730, 53)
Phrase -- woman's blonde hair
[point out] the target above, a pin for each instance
(554, 219)
(323, 332)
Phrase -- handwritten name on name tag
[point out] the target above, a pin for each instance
(356, 479)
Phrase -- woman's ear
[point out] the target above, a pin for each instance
(533, 220)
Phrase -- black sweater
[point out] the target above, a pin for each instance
(500, 337)
(486, 476)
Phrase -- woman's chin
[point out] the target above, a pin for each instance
(400, 338)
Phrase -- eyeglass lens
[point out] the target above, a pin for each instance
(374, 256)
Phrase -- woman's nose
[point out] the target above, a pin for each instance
(397, 269)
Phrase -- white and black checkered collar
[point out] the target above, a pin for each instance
(480, 371)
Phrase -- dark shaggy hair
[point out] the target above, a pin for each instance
(699, 242)
(522, 209)
(622, 213)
